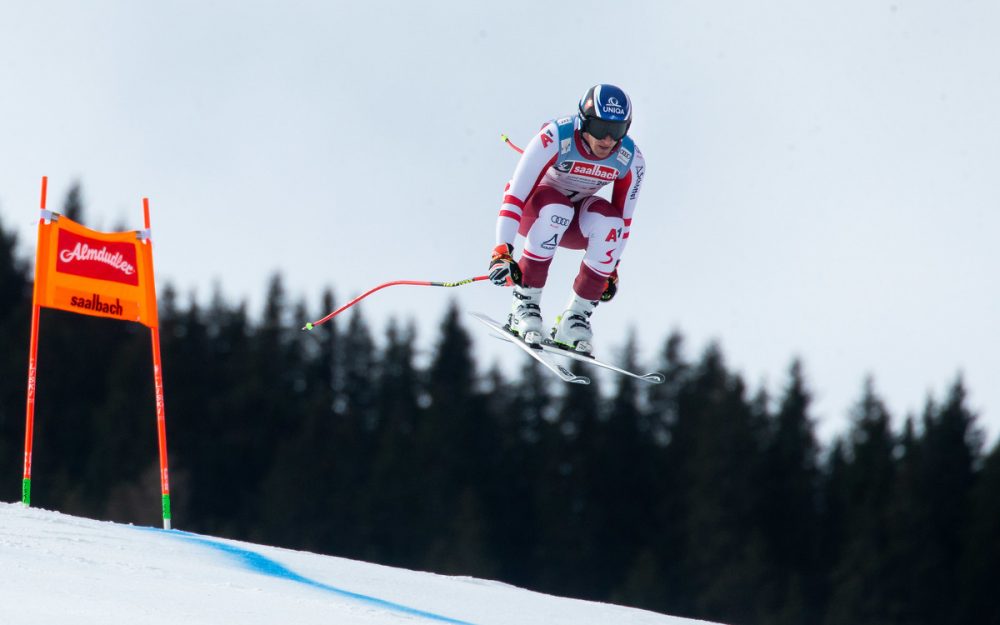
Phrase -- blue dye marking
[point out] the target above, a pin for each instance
(266, 566)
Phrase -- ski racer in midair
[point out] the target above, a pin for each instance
(551, 202)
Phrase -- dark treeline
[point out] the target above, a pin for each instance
(699, 497)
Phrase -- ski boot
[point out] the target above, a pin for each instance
(525, 319)
(572, 330)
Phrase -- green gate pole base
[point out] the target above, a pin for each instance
(166, 512)
(26, 491)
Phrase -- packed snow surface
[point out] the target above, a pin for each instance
(56, 568)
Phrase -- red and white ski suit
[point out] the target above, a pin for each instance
(551, 202)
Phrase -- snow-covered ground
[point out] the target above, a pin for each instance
(57, 569)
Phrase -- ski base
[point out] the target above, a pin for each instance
(537, 352)
(551, 347)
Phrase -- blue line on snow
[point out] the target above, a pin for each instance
(266, 566)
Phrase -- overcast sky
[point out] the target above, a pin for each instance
(824, 177)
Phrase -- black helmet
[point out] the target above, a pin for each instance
(605, 110)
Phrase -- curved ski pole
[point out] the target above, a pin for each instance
(313, 324)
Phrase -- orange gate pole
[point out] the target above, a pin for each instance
(29, 418)
(161, 413)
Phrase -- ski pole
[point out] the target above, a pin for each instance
(507, 140)
(311, 325)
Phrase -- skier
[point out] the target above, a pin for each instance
(551, 202)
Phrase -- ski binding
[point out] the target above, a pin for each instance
(538, 352)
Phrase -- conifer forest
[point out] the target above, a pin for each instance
(700, 497)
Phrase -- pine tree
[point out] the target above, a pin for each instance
(453, 439)
(789, 506)
(622, 479)
(978, 601)
(14, 283)
(658, 578)
(394, 491)
(833, 508)
(862, 590)
(73, 205)
(15, 323)
(717, 443)
(127, 460)
(346, 451)
(523, 408)
(274, 405)
(199, 379)
(567, 513)
(301, 512)
(942, 490)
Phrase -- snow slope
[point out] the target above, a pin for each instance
(58, 569)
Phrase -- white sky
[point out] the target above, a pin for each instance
(822, 175)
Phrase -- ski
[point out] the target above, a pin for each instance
(538, 353)
(551, 348)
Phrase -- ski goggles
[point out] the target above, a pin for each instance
(601, 128)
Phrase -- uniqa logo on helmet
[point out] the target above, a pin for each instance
(613, 106)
